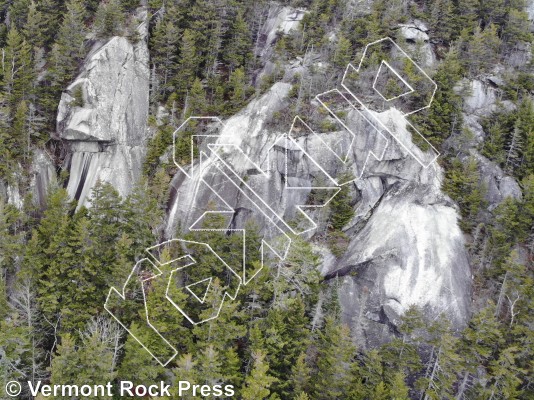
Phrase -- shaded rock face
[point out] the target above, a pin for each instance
(279, 20)
(10, 194)
(247, 130)
(417, 40)
(410, 252)
(102, 117)
(481, 100)
(498, 185)
(42, 175)
(405, 244)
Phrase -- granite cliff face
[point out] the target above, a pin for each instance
(102, 117)
(405, 244)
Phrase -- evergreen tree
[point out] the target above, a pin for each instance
(189, 62)
(493, 146)
(93, 355)
(138, 365)
(186, 371)
(20, 136)
(484, 49)
(17, 70)
(165, 42)
(237, 51)
(237, 85)
(34, 30)
(68, 50)
(196, 100)
(343, 54)
(340, 206)
(398, 388)
(109, 18)
(259, 381)
(462, 183)
(442, 20)
(334, 358)
(444, 117)
(300, 375)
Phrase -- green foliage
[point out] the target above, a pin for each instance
(17, 80)
(335, 354)
(341, 207)
(109, 18)
(237, 52)
(257, 384)
(273, 341)
(462, 183)
(484, 49)
(444, 116)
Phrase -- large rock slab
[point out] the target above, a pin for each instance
(102, 117)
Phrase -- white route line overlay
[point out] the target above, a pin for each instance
(269, 216)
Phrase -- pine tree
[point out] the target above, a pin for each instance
(237, 85)
(50, 255)
(210, 366)
(466, 15)
(189, 62)
(17, 70)
(14, 343)
(18, 13)
(442, 20)
(34, 30)
(341, 208)
(20, 136)
(462, 183)
(493, 146)
(51, 10)
(165, 42)
(343, 54)
(443, 364)
(109, 18)
(93, 355)
(525, 141)
(335, 351)
(196, 100)
(138, 365)
(68, 50)
(398, 388)
(257, 384)
(514, 150)
(484, 49)
(237, 51)
(517, 27)
(186, 370)
(300, 375)
(444, 117)
(141, 217)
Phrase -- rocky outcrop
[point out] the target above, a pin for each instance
(280, 20)
(42, 176)
(498, 186)
(405, 244)
(417, 40)
(410, 252)
(102, 117)
(10, 193)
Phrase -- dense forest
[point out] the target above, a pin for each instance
(283, 338)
